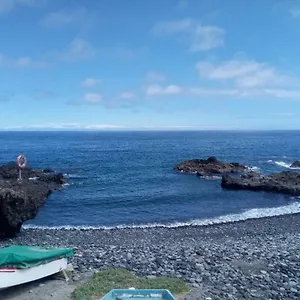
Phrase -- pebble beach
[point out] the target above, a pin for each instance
(252, 259)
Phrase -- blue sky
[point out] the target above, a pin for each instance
(149, 64)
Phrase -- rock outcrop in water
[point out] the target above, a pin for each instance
(295, 164)
(286, 182)
(210, 166)
(21, 201)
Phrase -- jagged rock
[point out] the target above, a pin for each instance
(286, 182)
(210, 166)
(295, 164)
(21, 201)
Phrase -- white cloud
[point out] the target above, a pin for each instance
(102, 126)
(78, 49)
(157, 90)
(244, 73)
(295, 12)
(213, 92)
(8, 5)
(66, 126)
(92, 98)
(64, 17)
(257, 93)
(20, 62)
(227, 70)
(96, 127)
(199, 37)
(90, 82)
(127, 95)
(283, 93)
(155, 76)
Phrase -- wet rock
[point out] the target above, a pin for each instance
(295, 164)
(209, 167)
(21, 200)
(286, 182)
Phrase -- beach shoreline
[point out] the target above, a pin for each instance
(250, 259)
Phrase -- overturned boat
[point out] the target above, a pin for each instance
(22, 264)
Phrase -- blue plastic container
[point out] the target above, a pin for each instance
(138, 295)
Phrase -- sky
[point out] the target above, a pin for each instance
(149, 64)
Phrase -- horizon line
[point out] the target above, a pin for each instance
(139, 129)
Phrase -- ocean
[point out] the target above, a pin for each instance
(126, 179)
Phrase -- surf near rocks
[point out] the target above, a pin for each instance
(21, 200)
(209, 167)
(295, 164)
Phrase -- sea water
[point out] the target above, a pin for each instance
(126, 179)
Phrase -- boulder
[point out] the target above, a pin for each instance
(209, 167)
(295, 164)
(21, 200)
(287, 182)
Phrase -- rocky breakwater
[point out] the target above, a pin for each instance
(21, 200)
(287, 182)
(209, 167)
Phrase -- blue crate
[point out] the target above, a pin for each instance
(128, 294)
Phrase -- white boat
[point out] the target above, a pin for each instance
(37, 263)
(11, 276)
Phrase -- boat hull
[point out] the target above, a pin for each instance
(12, 277)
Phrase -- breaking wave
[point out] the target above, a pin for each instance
(253, 169)
(282, 164)
(255, 213)
(75, 176)
(285, 165)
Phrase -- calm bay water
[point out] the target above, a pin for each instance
(127, 178)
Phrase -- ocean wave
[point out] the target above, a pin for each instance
(75, 176)
(255, 213)
(212, 177)
(282, 164)
(253, 169)
(285, 165)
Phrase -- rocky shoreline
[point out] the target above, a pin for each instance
(252, 259)
(21, 198)
(287, 182)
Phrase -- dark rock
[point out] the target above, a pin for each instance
(21, 200)
(286, 182)
(48, 170)
(295, 164)
(210, 166)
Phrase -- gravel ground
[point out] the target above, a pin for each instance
(253, 259)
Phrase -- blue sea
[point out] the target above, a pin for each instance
(124, 179)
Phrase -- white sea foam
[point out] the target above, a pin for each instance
(33, 178)
(270, 161)
(255, 213)
(254, 169)
(285, 165)
(75, 176)
(282, 164)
